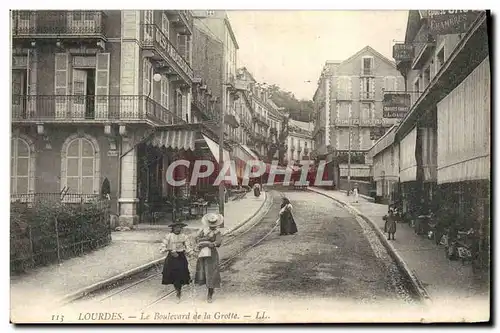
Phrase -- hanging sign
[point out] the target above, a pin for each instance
(402, 52)
(396, 105)
(449, 22)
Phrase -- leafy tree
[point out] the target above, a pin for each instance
(300, 110)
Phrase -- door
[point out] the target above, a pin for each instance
(19, 87)
(79, 104)
(165, 29)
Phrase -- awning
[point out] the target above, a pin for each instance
(250, 152)
(214, 148)
(407, 161)
(175, 139)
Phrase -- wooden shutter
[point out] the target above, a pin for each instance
(182, 45)
(102, 86)
(61, 79)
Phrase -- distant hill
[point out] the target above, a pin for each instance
(300, 110)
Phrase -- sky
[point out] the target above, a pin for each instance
(288, 48)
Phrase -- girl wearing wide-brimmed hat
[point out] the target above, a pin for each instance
(208, 240)
(175, 268)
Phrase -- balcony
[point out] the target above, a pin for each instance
(260, 118)
(424, 45)
(232, 118)
(366, 95)
(155, 40)
(90, 109)
(58, 24)
(181, 20)
(200, 101)
(397, 104)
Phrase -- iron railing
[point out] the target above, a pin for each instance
(155, 38)
(187, 17)
(57, 22)
(33, 198)
(87, 108)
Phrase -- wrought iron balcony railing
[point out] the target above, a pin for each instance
(61, 108)
(57, 22)
(155, 38)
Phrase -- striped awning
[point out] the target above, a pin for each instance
(175, 139)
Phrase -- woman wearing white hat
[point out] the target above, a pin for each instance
(207, 266)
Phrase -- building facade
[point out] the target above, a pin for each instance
(349, 115)
(103, 96)
(299, 141)
(444, 141)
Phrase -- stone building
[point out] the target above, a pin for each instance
(348, 108)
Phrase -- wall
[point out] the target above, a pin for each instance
(48, 160)
(207, 60)
(348, 76)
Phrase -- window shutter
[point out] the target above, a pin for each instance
(102, 86)
(182, 45)
(61, 80)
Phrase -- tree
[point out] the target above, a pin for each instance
(300, 110)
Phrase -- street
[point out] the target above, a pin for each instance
(334, 259)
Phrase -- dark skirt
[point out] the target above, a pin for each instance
(256, 192)
(175, 270)
(287, 224)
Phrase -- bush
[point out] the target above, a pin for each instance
(50, 231)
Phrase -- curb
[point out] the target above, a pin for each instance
(259, 213)
(411, 275)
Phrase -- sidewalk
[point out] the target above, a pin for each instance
(129, 252)
(443, 280)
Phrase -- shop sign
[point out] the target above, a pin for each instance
(396, 105)
(345, 122)
(402, 52)
(448, 22)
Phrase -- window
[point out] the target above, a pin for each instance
(146, 77)
(367, 66)
(148, 24)
(20, 166)
(80, 166)
(164, 87)
(427, 77)
(210, 12)
(366, 111)
(367, 88)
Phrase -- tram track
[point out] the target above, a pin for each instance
(231, 241)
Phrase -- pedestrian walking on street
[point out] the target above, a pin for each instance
(256, 190)
(287, 222)
(390, 224)
(208, 240)
(175, 269)
(356, 193)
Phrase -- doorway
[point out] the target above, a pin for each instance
(84, 92)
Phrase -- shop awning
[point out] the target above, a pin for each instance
(407, 161)
(250, 152)
(214, 148)
(175, 139)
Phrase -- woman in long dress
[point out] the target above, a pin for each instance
(287, 222)
(208, 240)
(175, 268)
